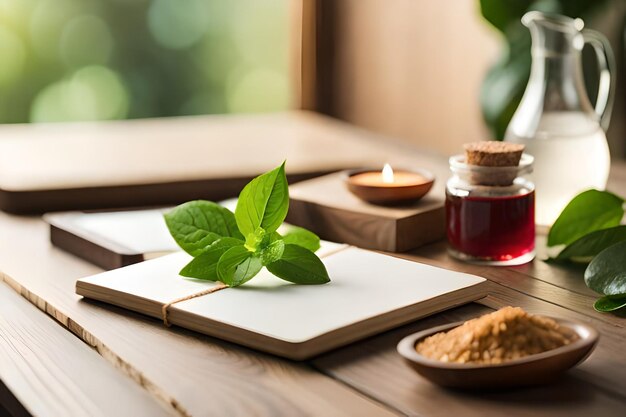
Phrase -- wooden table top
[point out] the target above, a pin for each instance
(138, 367)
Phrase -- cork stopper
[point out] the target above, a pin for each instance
(493, 154)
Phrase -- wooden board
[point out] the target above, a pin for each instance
(325, 206)
(43, 366)
(111, 239)
(369, 293)
(175, 365)
(63, 166)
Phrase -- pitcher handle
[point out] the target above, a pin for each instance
(606, 67)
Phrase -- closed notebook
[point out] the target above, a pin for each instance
(369, 293)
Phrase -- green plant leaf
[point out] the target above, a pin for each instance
(606, 273)
(255, 239)
(273, 252)
(264, 202)
(503, 14)
(302, 237)
(238, 265)
(204, 266)
(610, 303)
(196, 224)
(588, 246)
(589, 211)
(300, 266)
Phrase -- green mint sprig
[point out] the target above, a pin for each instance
(233, 247)
(590, 228)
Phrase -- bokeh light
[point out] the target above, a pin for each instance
(86, 40)
(105, 59)
(92, 93)
(12, 57)
(178, 24)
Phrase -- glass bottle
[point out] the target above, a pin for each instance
(490, 212)
(555, 119)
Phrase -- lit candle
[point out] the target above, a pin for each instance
(389, 186)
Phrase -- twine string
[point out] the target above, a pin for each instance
(164, 309)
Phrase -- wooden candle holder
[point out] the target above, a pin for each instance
(325, 206)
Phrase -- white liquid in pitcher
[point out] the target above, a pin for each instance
(574, 160)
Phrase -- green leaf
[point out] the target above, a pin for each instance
(300, 266)
(589, 211)
(606, 273)
(264, 202)
(588, 246)
(302, 237)
(273, 252)
(238, 265)
(204, 266)
(197, 224)
(610, 303)
(254, 239)
(503, 14)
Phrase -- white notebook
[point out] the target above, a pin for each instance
(369, 292)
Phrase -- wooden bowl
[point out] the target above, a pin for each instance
(531, 370)
(390, 195)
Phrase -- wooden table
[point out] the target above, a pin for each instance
(137, 367)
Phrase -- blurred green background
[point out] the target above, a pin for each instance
(71, 60)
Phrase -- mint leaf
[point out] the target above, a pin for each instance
(264, 202)
(302, 237)
(588, 246)
(606, 273)
(300, 266)
(610, 303)
(204, 266)
(273, 252)
(197, 224)
(589, 211)
(238, 265)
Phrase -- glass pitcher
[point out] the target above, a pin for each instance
(555, 120)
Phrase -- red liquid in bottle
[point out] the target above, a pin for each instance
(491, 228)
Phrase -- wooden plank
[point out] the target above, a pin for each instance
(52, 373)
(193, 374)
(552, 283)
(375, 368)
(303, 53)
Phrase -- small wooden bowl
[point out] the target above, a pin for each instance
(531, 370)
(390, 195)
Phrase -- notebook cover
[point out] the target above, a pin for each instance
(369, 292)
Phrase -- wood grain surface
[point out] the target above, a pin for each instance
(195, 375)
(374, 368)
(190, 373)
(52, 373)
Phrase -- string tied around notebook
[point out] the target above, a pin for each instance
(164, 309)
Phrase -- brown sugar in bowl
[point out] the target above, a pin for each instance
(530, 370)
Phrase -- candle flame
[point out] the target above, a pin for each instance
(387, 174)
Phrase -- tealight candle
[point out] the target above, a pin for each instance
(388, 187)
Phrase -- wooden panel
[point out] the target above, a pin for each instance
(412, 71)
(304, 56)
(44, 367)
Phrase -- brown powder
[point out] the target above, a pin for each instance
(507, 334)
